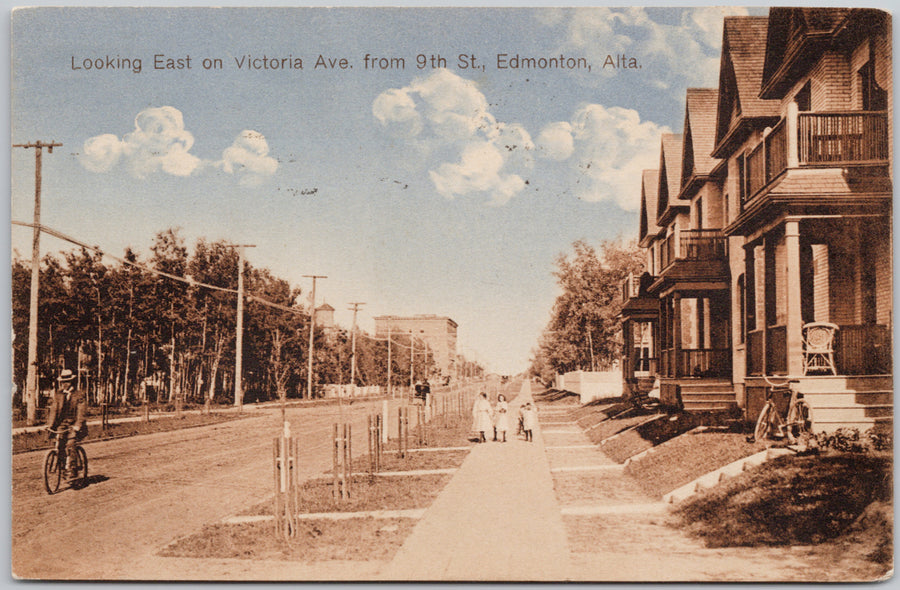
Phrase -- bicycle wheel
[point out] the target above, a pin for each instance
(52, 472)
(798, 418)
(762, 423)
(82, 463)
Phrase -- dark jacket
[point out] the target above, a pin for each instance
(70, 411)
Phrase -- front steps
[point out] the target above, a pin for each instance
(864, 402)
(708, 396)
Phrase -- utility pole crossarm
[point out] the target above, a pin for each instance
(31, 380)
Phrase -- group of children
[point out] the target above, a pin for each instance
(486, 418)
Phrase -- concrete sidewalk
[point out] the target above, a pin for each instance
(497, 520)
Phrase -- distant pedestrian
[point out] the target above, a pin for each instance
(481, 416)
(426, 392)
(529, 421)
(501, 417)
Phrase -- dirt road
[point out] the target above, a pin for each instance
(145, 491)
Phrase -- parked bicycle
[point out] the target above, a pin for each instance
(771, 423)
(55, 463)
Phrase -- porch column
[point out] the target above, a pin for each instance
(794, 324)
(793, 131)
(676, 334)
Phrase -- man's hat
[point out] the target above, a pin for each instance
(65, 375)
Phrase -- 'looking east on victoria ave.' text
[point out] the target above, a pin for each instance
(255, 62)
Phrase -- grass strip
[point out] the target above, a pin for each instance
(359, 539)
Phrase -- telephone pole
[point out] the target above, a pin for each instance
(31, 380)
(389, 390)
(312, 328)
(354, 309)
(239, 337)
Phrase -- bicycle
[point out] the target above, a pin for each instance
(796, 422)
(55, 462)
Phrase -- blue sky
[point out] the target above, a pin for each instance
(448, 191)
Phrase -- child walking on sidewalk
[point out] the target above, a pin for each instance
(529, 420)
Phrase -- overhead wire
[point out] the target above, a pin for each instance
(188, 281)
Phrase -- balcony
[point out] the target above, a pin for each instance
(830, 139)
(702, 245)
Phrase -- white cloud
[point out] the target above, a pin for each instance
(102, 152)
(249, 158)
(555, 141)
(479, 170)
(396, 110)
(160, 143)
(608, 148)
(673, 56)
(445, 112)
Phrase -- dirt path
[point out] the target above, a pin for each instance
(146, 491)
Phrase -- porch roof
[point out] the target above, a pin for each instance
(816, 191)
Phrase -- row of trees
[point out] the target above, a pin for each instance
(131, 332)
(583, 332)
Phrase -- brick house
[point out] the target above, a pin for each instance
(781, 226)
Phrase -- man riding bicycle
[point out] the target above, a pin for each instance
(66, 416)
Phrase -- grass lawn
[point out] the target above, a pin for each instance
(317, 540)
(687, 457)
(448, 430)
(414, 460)
(360, 539)
(652, 434)
(367, 493)
(795, 500)
(608, 428)
(33, 441)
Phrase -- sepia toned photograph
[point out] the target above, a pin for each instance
(455, 294)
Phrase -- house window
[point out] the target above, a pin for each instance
(874, 98)
(742, 178)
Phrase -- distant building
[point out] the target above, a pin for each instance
(439, 332)
(325, 316)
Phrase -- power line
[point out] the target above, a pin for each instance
(186, 280)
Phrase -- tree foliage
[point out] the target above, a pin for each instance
(129, 332)
(583, 331)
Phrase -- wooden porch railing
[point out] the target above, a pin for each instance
(694, 244)
(863, 349)
(696, 362)
(858, 350)
(843, 137)
(823, 138)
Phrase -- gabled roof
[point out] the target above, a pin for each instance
(324, 307)
(797, 36)
(649, 193)
(699, 133)
(740, 76)
(669, 175)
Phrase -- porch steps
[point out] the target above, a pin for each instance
(860, 402)
(708, 396)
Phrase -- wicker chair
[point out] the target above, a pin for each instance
(818, 347)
